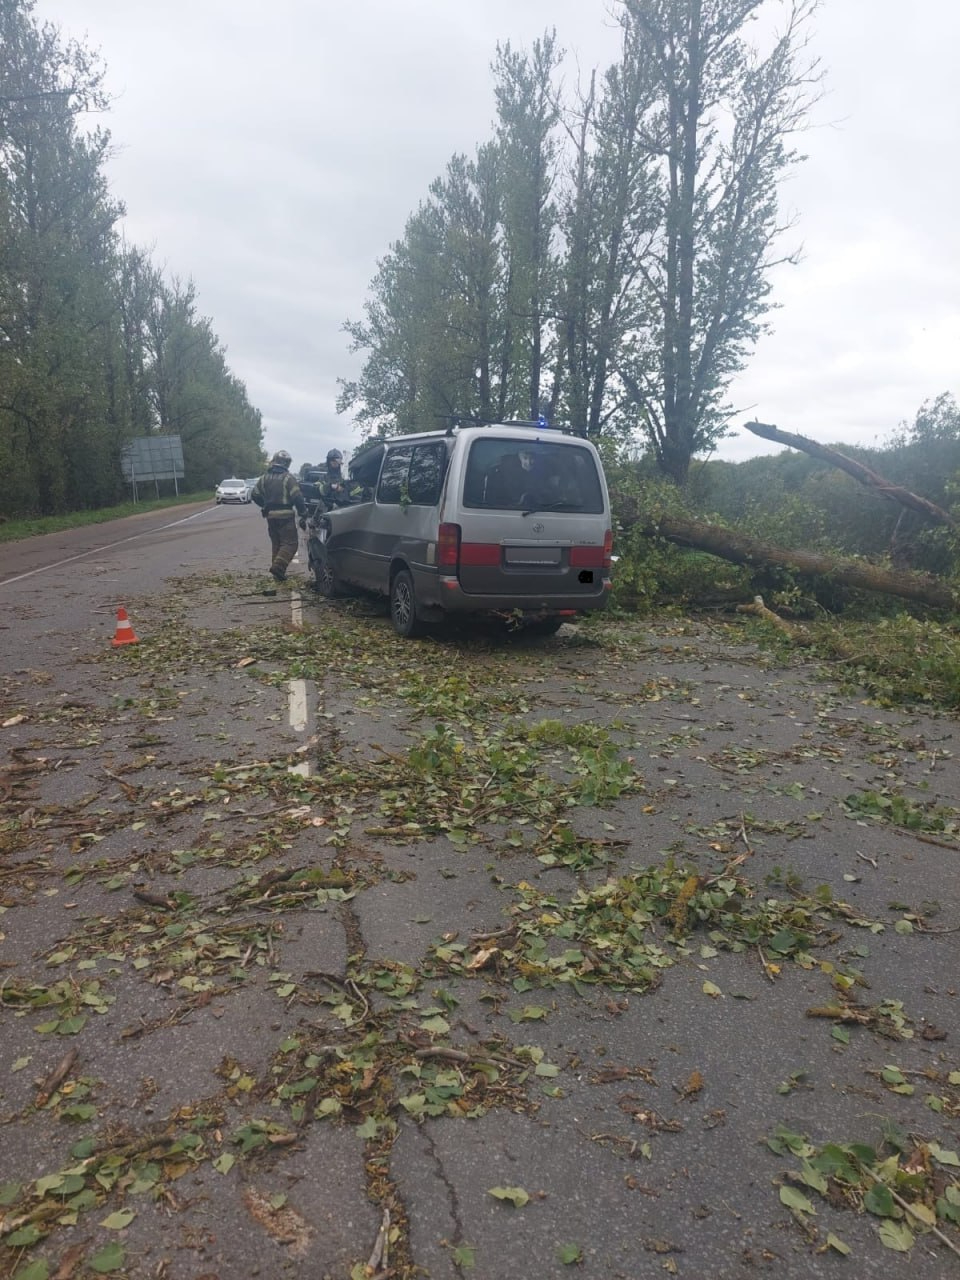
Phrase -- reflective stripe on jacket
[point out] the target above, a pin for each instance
(278, 493)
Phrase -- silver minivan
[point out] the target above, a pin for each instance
(508, 519)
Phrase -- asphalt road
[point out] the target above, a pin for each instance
(327, 954)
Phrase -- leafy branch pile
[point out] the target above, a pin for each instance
(912, 1186)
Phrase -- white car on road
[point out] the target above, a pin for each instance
(233, 490)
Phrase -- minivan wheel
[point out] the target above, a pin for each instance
(325, 580)
(403, 605)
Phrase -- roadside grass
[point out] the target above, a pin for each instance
(29, 527)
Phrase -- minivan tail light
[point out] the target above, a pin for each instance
(481, 555)
(586, 558)
(608, 550)
(448, 547)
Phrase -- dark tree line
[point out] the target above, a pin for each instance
(605, 257)
(95, 347)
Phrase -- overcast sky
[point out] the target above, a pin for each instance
(272, 150)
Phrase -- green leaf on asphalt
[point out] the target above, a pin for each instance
(38, 1269)
(878, 1200)
(795, 1199)
(23, 1238)
(897, 1236)
(72, 1026)
(437, 1026)
(368, 1129)
(569, 1253)
(78, 1112)
(841, 1034)
(516, 1195)
(49, 1183)
(464, 1256)
(8, 1192)
(118, 1220)
(529, 1013)
(834, 1242)
(812, 1177)
(108, 1259)
(224, 1163)
(944, 1157)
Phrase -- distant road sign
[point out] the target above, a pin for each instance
(152, 458)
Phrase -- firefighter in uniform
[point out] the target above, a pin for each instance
(280, 500)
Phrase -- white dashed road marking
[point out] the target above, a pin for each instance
(297, 709)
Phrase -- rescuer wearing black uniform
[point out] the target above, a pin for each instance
(335, 492)
(280, 500)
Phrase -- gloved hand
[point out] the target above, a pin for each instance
(302, 522)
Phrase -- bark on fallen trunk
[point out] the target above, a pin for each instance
(740, 549)
(872, 479)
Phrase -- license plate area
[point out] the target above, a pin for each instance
(532, 557)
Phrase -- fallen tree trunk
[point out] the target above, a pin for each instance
(872, 479)
(740, 549)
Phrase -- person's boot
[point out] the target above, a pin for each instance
(278, 574)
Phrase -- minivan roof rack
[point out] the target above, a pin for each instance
(457, 422)
(454, 420)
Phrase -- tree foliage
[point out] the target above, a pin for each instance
(458, 320)
(93, 344)
(716, 139)
(609, 257)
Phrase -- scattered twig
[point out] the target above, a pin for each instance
(378, 1259)
(56, 1078)
(765, 963)
(154, 900)
(460, 1055)
(941, 844)
(347, 985)
(496, 933)
(872, 861)
(743, 834)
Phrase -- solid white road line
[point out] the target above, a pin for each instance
(106, 546)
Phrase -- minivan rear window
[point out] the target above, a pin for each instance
(536, 474)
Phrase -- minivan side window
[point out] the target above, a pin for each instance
(364, 469)
(393, 477)
(426, 473)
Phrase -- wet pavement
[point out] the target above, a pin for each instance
(513, 959)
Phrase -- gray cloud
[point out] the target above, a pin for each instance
(272, 152)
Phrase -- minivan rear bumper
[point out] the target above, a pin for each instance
(454, 599)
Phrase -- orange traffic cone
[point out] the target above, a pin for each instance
(124, 633)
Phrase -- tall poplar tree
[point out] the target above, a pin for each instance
(527, 118)
(462, 308)
(717, 135)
